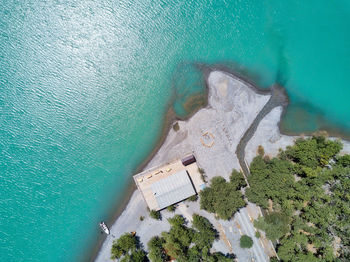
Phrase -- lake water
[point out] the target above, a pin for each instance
(84, 86)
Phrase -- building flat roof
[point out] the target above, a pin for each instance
(146, 179)
(173, 189)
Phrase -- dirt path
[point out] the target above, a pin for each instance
(278, 98)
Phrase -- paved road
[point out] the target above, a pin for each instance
(248, 229)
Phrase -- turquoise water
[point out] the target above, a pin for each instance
(84, 87)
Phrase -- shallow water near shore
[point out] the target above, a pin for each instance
(84, 87)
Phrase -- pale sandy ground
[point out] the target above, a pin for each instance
(269, 136)
(232, 107)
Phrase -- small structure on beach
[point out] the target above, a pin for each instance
(169, 184)
(188, 160)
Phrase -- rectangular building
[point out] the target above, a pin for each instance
(169, 184)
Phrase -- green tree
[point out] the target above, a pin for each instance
(270, 180)
(186, 244)
(135, 256)
(179, 238)
(221, 198)
(246, 242)
(311, 201)
(344, 160)
(237, 179)
(156, 250)
(127, 242)
(314, 151)
(206, 234)
(274, 224)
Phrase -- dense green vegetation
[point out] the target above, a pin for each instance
(181, 242)
(185, 243)
(222, 197)
(156, 250)
(274, 224)
(127, 248)
(246, 242)
(307, 191)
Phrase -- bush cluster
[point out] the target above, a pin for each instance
(222, 197)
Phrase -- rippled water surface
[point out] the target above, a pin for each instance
(84, 87)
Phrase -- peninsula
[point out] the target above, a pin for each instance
(239, 122)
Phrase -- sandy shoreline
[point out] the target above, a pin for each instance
(172, 145)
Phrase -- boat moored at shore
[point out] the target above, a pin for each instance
(104, 227)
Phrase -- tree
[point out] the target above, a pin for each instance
(270, 180)
(156, 250)
(138, 255)
(155, 215)
(274, 224)
(221, 198)
(246, 242)
(179, 237)
(344, 160)
(313, 151)
(206, 234)
(127, 242)
(237, 179)
(186, 244)
(310, 201)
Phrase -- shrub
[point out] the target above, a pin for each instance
(245, 242)
(257, 234)
(193, 198)
(261, 151)
(155, 215)
(171, 208)
(203, 176)
(142, 218)
(176, 127)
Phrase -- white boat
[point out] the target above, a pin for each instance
(104, 228)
